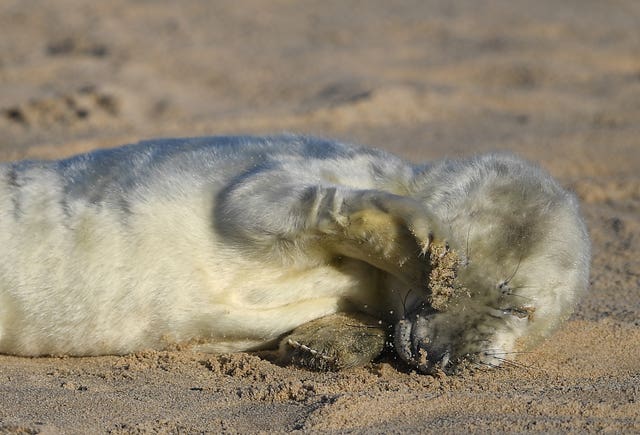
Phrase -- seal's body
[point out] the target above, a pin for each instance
(231, 242)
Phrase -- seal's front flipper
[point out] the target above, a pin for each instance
(334, 342)
(387, 231)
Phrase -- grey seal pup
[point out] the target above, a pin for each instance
(240, 243)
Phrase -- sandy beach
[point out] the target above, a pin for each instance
(557, 82)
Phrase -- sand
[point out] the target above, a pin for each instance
(555, 81)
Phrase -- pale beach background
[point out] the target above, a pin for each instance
(555, 81)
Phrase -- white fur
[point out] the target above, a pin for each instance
(231, 242)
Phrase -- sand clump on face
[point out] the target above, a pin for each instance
(444, 264)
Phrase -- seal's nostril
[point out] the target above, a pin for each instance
(402, 340)
(446, 358)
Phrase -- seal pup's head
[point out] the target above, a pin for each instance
(524, 261)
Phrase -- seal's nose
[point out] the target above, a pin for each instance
(412, 339)
(418, 342)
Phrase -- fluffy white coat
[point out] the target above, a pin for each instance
(230, 242)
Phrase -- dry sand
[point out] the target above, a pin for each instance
(555, 81)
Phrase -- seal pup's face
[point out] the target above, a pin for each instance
(524, 262)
